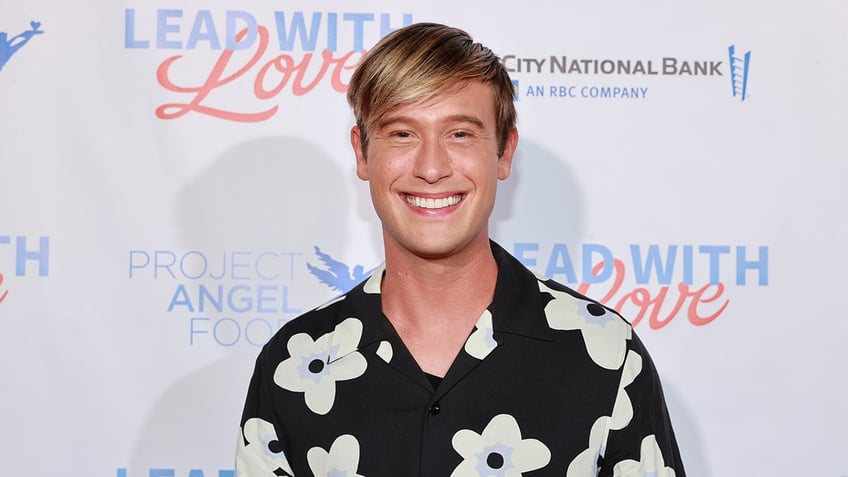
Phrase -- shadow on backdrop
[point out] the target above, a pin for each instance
(275, 194)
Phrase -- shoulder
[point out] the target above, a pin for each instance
(340, 319)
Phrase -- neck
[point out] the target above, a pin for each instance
(434, 303)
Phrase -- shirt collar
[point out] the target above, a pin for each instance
(518, 306)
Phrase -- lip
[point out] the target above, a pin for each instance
(433, 203)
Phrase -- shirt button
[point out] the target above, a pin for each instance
(435, 408)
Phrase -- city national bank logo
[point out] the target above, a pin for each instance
(240, 297)
(10, 46)
(739, 72)
(653, 283)
(258, 55)
(28, 257)
(569, 77)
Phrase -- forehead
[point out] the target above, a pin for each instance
(466, 98)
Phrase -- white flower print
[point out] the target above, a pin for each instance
(385, 351)
(586, 463)
(604, 333)
(375, 281)
(482, 340)
(650, 463)
(622, 411)
(314, 367)
(499, 451)
(341, 461)
(263, 454)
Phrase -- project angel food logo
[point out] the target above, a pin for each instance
(258, 57)
(653, 284)
(610, 78)
(11, 45)
(22, 256)
(241, 297)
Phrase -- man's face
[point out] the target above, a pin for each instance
(433, 169)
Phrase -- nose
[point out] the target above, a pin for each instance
(432, 162)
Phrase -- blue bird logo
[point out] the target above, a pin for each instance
(337, 275)
(10, 46)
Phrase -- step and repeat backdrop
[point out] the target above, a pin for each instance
(176, 183)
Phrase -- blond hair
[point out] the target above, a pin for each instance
(419, 61)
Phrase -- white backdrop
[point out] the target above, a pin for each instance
(162, 200)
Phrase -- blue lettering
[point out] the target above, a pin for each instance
(247, 301)
(297, 29)
(161, 473)
(687, 264)
(233, 17)
(259, 273)
(519, 249)
(133, 265)
(358, 20)
(386, 23)
(262, 298)
(42, 255)
(560, 263)
(167, 265)
(195, 473)
(237, 334)
(240, 265)
(653, 261)
(714, 251)
(184, 270)
(266, 336)
(163, 28)
(129, 31)
(286, 308)
(192, 331)
(606, 259)
(203, 30)
(217, 301)
(332, 32)
(180, 298)
(760, 265)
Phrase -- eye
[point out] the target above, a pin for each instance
(401, 134)
(461, 134)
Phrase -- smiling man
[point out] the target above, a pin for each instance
(452, 359)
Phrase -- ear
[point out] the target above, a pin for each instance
(361, 163)
(505, 161)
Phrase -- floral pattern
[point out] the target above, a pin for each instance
(586, 463)
(314, 367)
(650, 463)
(485, 419)
(604, 333)
(385, 351)
(262, 454)
(499, 451)
(341, 461)
(482, 340)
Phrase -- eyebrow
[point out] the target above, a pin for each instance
(456, 118)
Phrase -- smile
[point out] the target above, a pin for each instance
(428, 203)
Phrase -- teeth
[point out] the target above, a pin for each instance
(425, 203)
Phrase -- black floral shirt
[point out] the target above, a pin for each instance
(549, 383)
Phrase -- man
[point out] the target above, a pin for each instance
(452, 359)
